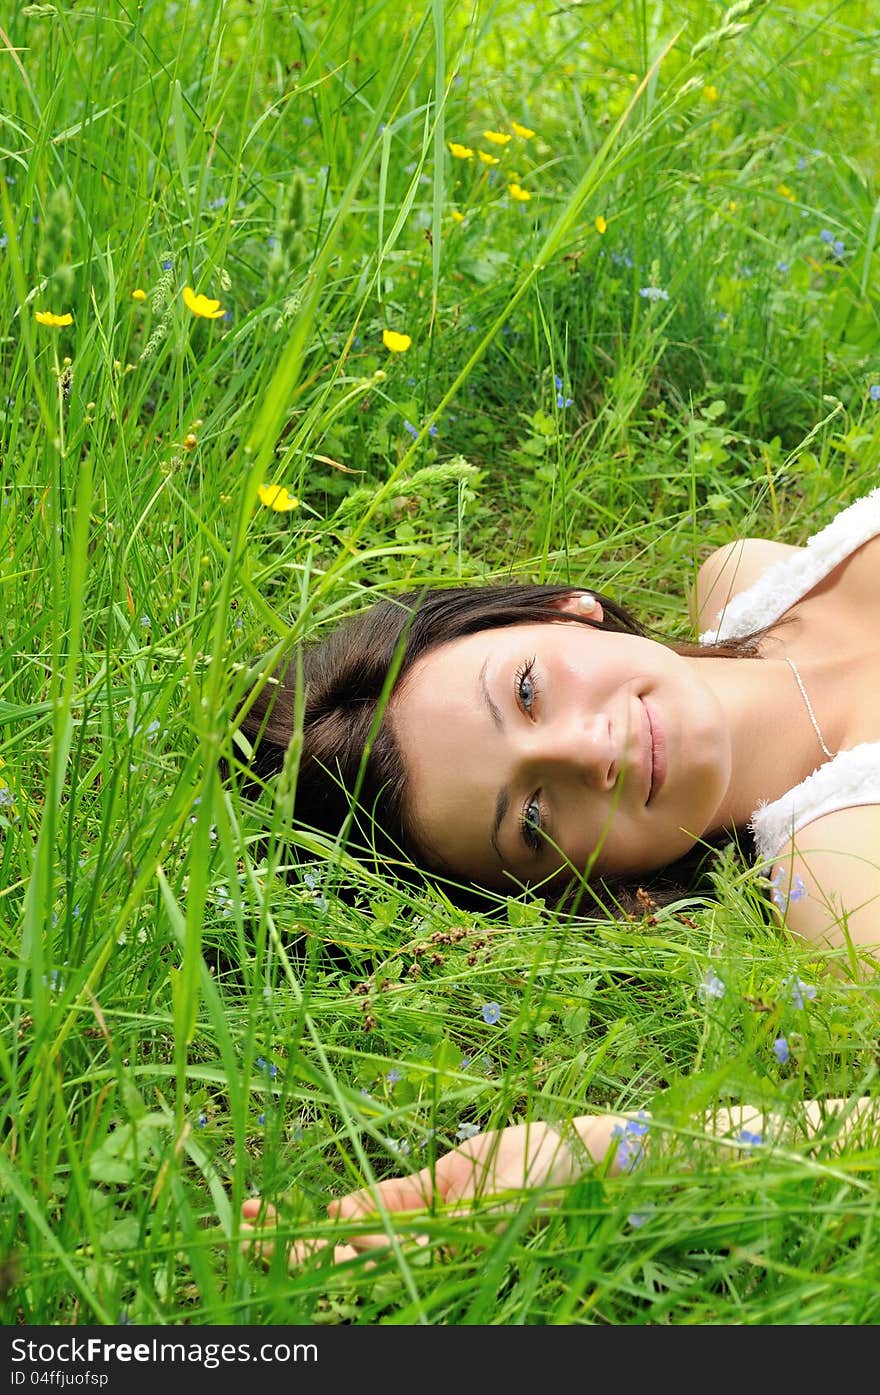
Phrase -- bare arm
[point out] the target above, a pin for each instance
(827, 883)
(505, 1161)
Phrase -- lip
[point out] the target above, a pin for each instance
(657, 751)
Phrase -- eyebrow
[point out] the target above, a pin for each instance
(502, 803)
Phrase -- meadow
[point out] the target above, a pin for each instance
(305, 304)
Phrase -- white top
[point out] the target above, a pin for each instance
(853, 775)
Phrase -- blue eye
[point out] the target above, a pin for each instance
(531, 823)
(526, 686)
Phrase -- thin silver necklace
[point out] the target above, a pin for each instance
(800, 682)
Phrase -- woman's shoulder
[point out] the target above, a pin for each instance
(751, 583)
(730, 570)
(826, 881)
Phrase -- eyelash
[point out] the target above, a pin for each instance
(526, 671)
(530, 828)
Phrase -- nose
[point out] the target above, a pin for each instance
(583, 746)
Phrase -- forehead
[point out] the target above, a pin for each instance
(434, 680)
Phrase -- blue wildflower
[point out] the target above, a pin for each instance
(800, 991)
(562, 401)
(711, 986)
(752, 1139)
(465, 1062)
(268, 1066)
(796, 892)
(827, 235)
(558, 381)
(152, 729)
(783, 266)
(491, 1013)
(261, 1118)
(639, 1218)
(465, 1131)
(408, 426)
(838, 248)
(630, 1141)
(653, 293)
(202, 1120)
(397, 1146)
(874, 392)
(802, 163)
(781, 1051)
(393, 1076)
(4, 242)
(167, 264)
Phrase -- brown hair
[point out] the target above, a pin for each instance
(350, 763)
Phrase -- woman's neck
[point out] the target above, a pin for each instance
(774, 743)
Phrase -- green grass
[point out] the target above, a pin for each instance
(168, 1045)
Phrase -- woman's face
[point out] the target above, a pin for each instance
(536, 746)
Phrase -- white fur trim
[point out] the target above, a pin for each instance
(786, 582)
(852, 777)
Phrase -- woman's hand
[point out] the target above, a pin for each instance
(488, 1165)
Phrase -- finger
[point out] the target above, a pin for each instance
(255, 1208)
(299, 1252)
(253, 1244)
(412, 1193)
(365, 1243)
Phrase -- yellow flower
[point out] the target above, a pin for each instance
(486, 158)
(601, 225)
(784, 190)
(733, 205)
(496, 137)
(517, 192)
(202, 305)
(138, 294)
(523, 131)
(456, 216)
(461, 152)
(46, 317)
(276, 496)
(710, 92)
(397, 343)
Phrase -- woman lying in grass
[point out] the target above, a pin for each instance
(537, 736)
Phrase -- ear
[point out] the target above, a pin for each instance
(582, 603)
